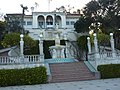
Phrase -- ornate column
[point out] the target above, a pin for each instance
(96, 46)
(45, 23)
(21, 47)
(41, 48)
(89, 45)
(112, 45)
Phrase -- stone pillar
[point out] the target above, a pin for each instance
(89, 45)
(41, 48)
(21, 46)
(112, 45)
(96, 46)
(45, 23)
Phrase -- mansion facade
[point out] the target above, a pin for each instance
(45, 22)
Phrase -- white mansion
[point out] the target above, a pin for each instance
(45, 22)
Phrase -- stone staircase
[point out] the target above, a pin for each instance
(72, 71)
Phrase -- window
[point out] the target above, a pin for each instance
(29, 22)
(67, 22)
(72, 22)
(24, 23)
(40, 23)
(49, 23)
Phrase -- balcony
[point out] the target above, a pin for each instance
(50, 26)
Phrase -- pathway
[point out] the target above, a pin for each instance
(107, 84)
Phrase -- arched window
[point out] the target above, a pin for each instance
(41, 21)
(49, 20)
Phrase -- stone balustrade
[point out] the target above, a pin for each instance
(17, 60)
(106, 57)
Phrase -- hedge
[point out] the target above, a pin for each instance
(27, 76)
(109, 71)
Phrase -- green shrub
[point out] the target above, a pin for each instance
(27, 76)
(109, 71)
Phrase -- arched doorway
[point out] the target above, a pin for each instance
(49, 21)
(41, 21)
(59, 21)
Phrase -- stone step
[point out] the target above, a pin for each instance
(74, 71)
(55, 80)
(72, 77)
(70, 72)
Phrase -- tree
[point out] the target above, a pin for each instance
(91, 8)
(10, 40)
(82, 44)
(89, 16)
(13, 39)
(82, 25)
(2, 29)
(103, 11)
(110, 13)
(13, 23)
(103, 39)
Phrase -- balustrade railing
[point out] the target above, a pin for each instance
(118, 54)
(31, 58)
(106, 55)
(19, 60)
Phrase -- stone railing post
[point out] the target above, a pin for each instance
(41, 48)
(112, 45)
(89, 45)
(21, 48)
(96, 46)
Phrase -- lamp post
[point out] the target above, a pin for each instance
(112, 45)
(89, 45)
(21, 47)
(41, 48)
(96, 46)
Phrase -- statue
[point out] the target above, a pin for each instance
(57, 40)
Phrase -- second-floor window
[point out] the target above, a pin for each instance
(67, 22)
(29, 22)
(72, 22)
(24, 22)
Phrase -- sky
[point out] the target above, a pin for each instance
(13, 6)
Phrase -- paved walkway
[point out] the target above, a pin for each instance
(107, 84)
